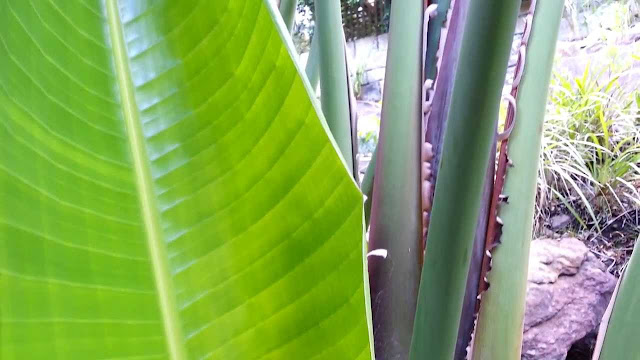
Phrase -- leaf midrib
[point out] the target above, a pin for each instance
(155, 243)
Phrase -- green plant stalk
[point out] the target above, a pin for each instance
(433, 37)
(475, 103)
(430, 70)
(367, 186)
(468, 316)
(312, 68)
(353, 114)
(618, 336)
(333, 75)
(501, 318)
(396, 221)
(288, 11)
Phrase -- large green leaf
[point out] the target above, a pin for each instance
(167, 190)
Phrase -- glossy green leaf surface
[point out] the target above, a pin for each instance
(167, 190)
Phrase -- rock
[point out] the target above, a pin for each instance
(568, 291)
(583, 348)
(566, 32)
(371, 92)
(549, 259)
(548, 233)
(560, 221)
(374, 75)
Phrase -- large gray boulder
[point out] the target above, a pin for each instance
(568, 292)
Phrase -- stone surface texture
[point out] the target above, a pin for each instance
(567, 293)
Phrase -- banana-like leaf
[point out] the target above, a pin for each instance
(167, 189)
(616, 338)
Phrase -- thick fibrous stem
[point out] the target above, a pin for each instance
(470, 127)
(501, 316)
(396, 224)
(494, 227)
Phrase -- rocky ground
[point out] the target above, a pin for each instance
(568, 291)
